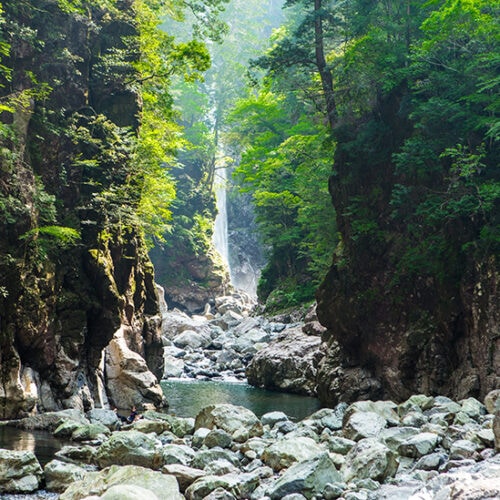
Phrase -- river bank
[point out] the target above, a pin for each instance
(423, 448)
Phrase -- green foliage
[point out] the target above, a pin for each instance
(285, 164)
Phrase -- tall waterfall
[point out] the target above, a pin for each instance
(220, 236)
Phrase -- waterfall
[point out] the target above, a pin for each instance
(220, 236)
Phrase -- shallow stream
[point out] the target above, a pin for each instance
(186, 398)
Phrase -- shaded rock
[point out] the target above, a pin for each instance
(163, 486)
(77, 454)
(66, 429)
(104, 417)
(418, 445)
(496, 430)
(393, 437)
(218, 437)
(369, 459)
(288, 363)
(90, 432)
(130, 448)
(20, 471)
(229, 418)
(463, 449)
(59, 475)
(308, 477)
(286, 451)
(129, 380)
(492, 401)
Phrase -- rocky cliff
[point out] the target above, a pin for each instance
(406, 312)
(79, 312)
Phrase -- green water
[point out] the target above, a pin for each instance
(187, 397)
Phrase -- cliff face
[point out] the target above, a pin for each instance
(62, 302)
(394, 331)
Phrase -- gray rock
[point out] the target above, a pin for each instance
(156, 484)
(177, 454)
(218, 437)
(205, 457)
(496, 430)
(362, 425)
(433, 461)
(66, 429)
(334, 490)
(288, 450)
(338, 444)
(473, 408)
(172, 367)
(328, 418)
(20, 472)
(393, 437)
(199, 437)
(90, 432)
(130, 448)
(308, 477)
(185, 475)
(370, 459)
(219, 494)
(220, 467)
(59, 475)
(77, 454)
(230, 418)
(419, 445)
(463, 449)
(492, 401)
(191, 339)
(104, 417)
(240, 485)
(273, 418)
(288, 363)
(127, 492)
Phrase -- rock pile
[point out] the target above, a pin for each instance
(281, 353)
(424, 448)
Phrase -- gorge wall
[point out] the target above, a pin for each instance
(406, 312)
(79, 317)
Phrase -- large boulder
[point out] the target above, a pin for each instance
(369, 459)
(20, 471)
(288, 450)
(308, 478)
(237, 421)
(240, 485)
(129, 380)
(59, 475)
(288, 363)
(156, 485)
(130, 448)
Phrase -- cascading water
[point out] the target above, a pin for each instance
(238, 254)
(220, 236)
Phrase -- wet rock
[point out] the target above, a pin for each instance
(156, 484)
(20, 472)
